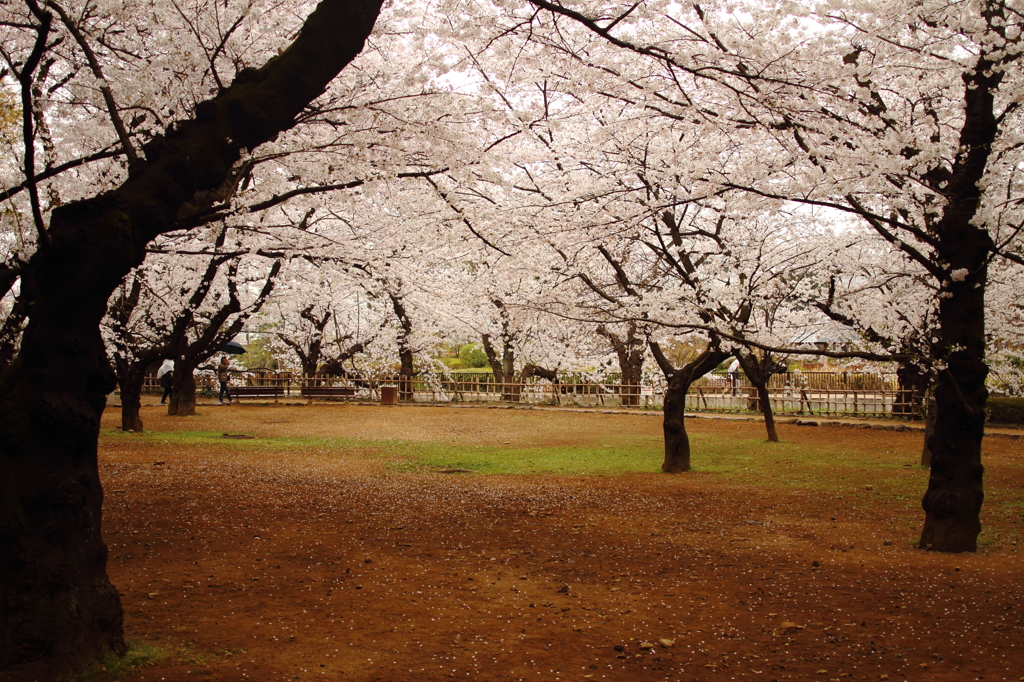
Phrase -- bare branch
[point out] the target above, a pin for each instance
(27, 111)
(97, 72)
(465, 220)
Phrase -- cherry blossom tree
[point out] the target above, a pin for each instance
(184, 308)
(60, 608)
(699, 268)
(320, 314)
(902, 115)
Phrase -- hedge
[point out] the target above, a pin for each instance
(1005, 411)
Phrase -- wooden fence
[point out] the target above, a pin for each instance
(794, 393)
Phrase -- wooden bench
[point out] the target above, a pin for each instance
(312, 392)
(275, 392)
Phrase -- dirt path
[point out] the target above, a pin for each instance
(328, 565)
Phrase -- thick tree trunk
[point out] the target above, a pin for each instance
(513, 391)
(955, 492)
(513, 386)
(503, 366)
(309, 365)
(405, 357)
(929, 431)
(952, 503)
(766, 409)
(630, 354)
(10, 333)
(58, 607)
(677, 442)
(182, 402)
(678, 382)
(632, 371)
(131, 383)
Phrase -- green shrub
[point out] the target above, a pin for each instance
(258, 355)
(1005, 411)
(472, 355)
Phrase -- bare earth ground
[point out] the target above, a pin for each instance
(332, 565)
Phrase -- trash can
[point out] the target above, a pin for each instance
(389, 395)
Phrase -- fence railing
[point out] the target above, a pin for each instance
(793, 393)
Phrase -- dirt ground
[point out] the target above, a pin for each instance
(330, 565)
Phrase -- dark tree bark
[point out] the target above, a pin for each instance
(182, 402)
(59, 608)
(191, 354)
(913, 382)
(503, 367)
(929, 431)
(309, 350)
(503, 362)
(130, 378)
(677, 442)
(630, 353)
(952, 503)
(132, 356)
(336, 365)
(406, 370)
(532, 370)
(759, 372)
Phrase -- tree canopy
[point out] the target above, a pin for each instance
(562, 183)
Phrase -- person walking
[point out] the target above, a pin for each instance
(165, 375)
(734, 375)
(224, 376)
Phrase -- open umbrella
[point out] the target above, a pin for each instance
(232, 347)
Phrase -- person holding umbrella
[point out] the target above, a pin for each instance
(224, 376)
(164, 375)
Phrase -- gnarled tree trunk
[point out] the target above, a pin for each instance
(131, 377)
(503, 367)
(10, 332)
(182, 402)
(759, 372)
(952, 503)
(58, 607)
(677, 442)
(406, 356)
(929, 431)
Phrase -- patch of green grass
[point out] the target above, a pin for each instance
(605, 459)
(743, 461)
(831, 468)
(139, 654)
(853, 470)
(839, 468)
(618, 455)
